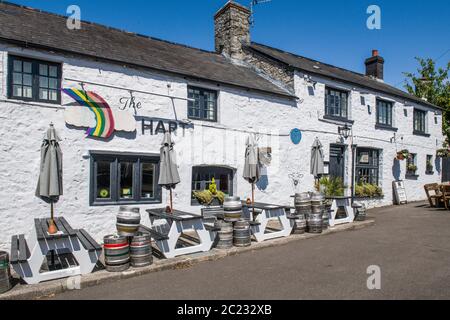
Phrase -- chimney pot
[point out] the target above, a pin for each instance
(375, 66)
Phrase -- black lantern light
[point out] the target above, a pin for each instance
(344, 131)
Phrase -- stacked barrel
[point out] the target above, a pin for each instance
(224, 235)
(234, 230)
(141, 250)
(129, 246)
(302, 203)
(242, 234)
(117, 253)
(5, 274)
(315, 219)
(310, 212)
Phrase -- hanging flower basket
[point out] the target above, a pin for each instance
(442, 153)
(403, 154)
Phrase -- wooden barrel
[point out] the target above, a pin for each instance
(117, 253)
(141, 250)
(5, 274)
(128, 221)
(300, 224)
(314, 222)
(224, 235)
(232, 207)
(242, 234)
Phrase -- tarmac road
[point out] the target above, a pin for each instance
(410, 244)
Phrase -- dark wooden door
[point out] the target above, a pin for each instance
(337, 161)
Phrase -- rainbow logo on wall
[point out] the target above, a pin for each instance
(103, 113)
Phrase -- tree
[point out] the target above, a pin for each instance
(434, 86)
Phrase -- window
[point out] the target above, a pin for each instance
(411, 164)
(204, 106)
(124, 179)
(202, 177)
(384, 113)
(336, 103)
(34, 80)
(419, 121)
(430, 167)
(367, 165)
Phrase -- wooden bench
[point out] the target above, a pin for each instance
(87, 241)
(434, 194)
(210, 227)
(212, 212)
(19, 249)
(156, 235)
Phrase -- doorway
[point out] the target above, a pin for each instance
(337, 161)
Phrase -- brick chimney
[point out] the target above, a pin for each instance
(375, 66)
(232, 29)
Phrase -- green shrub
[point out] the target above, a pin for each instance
(368, 190)
(332, 187)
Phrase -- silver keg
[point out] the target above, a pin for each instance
(242, 234)
(117, 253)
(224, 235)
(128, 221)
(314, 222)
(232, 207)
(141, 250)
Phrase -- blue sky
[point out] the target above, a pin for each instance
(332, 31)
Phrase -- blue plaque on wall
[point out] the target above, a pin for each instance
(296, 136)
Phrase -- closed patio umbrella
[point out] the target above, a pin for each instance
(317, 166)
(251, 166)
(168, 172)
(50, 184)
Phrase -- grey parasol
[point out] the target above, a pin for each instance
(317, 167)
(168, 172)
(251, 166)
(50, 184)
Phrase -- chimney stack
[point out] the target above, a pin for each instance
(232, 30)
(375, 66)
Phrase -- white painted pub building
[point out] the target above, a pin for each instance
(210, 101)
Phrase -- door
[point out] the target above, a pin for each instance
(337, 161)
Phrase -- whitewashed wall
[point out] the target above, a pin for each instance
(366, 135)
(22, 126)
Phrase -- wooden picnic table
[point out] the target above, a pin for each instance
(268, 212)
(28, 253)
(166, 229)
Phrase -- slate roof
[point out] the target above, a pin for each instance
(35, 28)
(329, 71)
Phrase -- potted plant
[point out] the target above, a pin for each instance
(442, 153)
(412, 168)
(211, 196)
(402, 154)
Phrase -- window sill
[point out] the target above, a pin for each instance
(385, 127)
(202, 120)
(338, 120)
(429, 172)
(420, 133)
(411, 176)
(122, 203)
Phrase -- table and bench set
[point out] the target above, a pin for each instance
(75, 252)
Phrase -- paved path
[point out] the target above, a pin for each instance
(411, 244)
